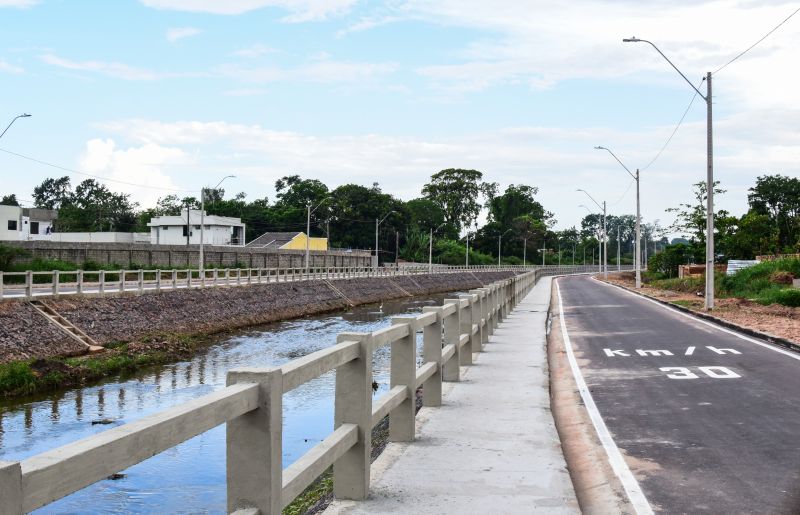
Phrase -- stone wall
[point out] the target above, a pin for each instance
(25, 334)
(132, 256)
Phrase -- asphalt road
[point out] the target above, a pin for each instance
(710, 424)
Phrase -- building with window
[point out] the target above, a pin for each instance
(25, 223)
(184, 229)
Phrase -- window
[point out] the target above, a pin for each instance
(164, 228)
(186, 230)
(196, 227)
(34, 227)
(12, 225)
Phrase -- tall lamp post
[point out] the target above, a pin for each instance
(310, 212)
(430, 248)
(378, 222)
(605, 240)
(202, 265)
(499, 241)
(637, 255)
(23, 115)
(709, 298)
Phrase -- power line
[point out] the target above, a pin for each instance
(70, 170)
(624, 194)
(757, 42)
(674, 131)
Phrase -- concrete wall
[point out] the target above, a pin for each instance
(183, 256)
(95, 237)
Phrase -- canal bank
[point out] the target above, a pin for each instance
(159, 328)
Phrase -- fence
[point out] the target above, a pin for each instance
(100, 282)
(251, 407)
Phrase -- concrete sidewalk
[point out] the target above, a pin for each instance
(492, 446)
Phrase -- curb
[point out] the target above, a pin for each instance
(775, 340)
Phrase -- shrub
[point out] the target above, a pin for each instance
(781, 277)
(785, 296)
(10, 253)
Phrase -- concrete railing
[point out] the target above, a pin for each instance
(251, 405)
(100, 282)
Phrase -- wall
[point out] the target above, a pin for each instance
(7, 213)
(183, 256)
(95, 237)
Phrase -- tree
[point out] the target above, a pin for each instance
(9, 200)
(515, 202)
(691, 218)
(778, 197)
(752, 235)
(456, 192)
(424, 214)
(52, 193)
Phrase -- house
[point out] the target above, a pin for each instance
(289, 241)
(184, 229)
(25, 223)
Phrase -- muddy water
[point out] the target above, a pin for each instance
(190, 478)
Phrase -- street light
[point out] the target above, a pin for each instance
(637, 253)
(430, 248)
(308, 226)
(605, 242)
(23, 115)
(377, 224)
(709, 298)
(202, 266)
(499, 240)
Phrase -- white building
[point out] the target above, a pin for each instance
(178, 230)
(23, 223)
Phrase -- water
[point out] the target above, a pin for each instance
(190, 478)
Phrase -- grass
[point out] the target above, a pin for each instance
(321, 487)
(683, 303)
(765, 283)
(17, 376)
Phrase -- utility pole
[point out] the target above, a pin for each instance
(309, 211)
(202, 265)
(466, 259)
(396, 247)
(378, 222)
(524, 250)
(573, 253)
(619, 252)
(499, 242)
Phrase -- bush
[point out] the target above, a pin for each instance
(781, 277)
(785, 296)
(10, 253)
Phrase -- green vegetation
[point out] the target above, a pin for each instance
(320, 488)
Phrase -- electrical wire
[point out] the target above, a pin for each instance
(674, 131)
(624, 194)
(78, 172)
(757, 42)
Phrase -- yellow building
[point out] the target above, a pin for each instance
(289, 241)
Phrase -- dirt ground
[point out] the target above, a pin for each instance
(776, 320)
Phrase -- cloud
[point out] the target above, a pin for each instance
(117, 70)
(252, 51)
(324, 71)
(177, 33)
(7, 67)
(19, 4)
(138, 165)
(299, 10)
(245, 92)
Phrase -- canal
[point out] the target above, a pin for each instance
(190, 478)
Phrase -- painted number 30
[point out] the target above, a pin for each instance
(712, 372)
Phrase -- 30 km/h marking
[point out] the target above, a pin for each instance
(663, 352)
(712, 372)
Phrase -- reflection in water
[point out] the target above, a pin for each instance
(190, 478)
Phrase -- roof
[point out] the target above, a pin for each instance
(160, 221)
(274, 239)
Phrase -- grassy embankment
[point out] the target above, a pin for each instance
(769, 282)
(28, 377)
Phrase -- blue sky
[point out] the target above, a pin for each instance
(164, 95)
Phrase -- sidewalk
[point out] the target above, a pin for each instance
(492, 446)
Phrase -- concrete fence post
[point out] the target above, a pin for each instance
(29, 284)
(480, 318)
(486, 306)
(79, 281)
(353, 405)
(55, 282)
(475, 309)
(214, 276)
(101, 282)
(253, 446)
(432, 353)
(452, 335)
(404, 373)
(10, 488)
(158, 281)
(467, 318)
(174, 279)
(140, 281)
(189, 278)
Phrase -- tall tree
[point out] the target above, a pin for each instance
(457, 192)
(9, 200)
(52, 193)
(691, 218)
(778, 197)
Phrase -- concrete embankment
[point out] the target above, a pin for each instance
(26, 334)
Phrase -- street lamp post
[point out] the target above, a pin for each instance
(604, 250)
(466, 254)
(309, 212)
(709, 298)
(524, 250)
(202, 264)
(23, 115)
(619, 266)
(499, 241)
(637, 257)
(430, 248)
(378, 222)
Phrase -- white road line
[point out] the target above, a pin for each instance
(770, 346)
(615, 459)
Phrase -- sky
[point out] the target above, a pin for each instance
(167, 96)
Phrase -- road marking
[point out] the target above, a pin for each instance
(719, 372)
(689, 351)
(615, 459)
(660, 352)
(722, 351)
(611, 353)
(770, 346)
(714, 372)
(678, 373)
